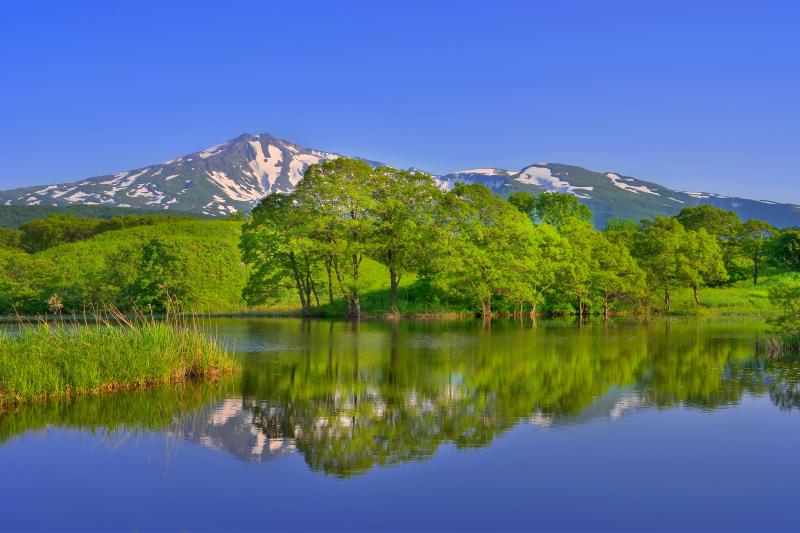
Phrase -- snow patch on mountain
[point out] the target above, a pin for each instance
(619, 181)
(233, 189)
(212, 151)
(543, 177)
(486, 171)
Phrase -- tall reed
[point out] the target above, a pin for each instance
(105, 352)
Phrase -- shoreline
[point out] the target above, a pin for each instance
(703, 313)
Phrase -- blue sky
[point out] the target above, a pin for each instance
(695, 95)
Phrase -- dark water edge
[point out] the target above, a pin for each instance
(426, 424)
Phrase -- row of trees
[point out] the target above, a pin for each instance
(469, 247)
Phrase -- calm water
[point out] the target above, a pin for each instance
(429, 425)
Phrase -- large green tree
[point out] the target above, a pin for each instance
(339, 197)
(403, 211)
(275, 244)
(725, 226)
(486, 247)
(673, 256)
(755, 236)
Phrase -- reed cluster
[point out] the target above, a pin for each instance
(111, 351)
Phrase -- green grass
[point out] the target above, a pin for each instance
(43, 360)
(739, 298)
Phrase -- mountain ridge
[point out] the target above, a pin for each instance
(233, 176)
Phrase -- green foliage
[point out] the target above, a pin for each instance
(674, 256)
(14, 216)
(343, 213)
(351, 235)
(786, 299)
(488, 247)
(60, 228)
(338, 197)
(46, 360)
(10, 238)
(406, 204)
(724, 225)
(785, 249)
(553, 208)
(275, 243)
(754, 239)
(198, 262)
(160, 277)
(470, 250)
(26, 281)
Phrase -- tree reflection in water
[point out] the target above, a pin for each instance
(350, 396)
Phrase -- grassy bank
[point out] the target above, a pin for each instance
(44, 360)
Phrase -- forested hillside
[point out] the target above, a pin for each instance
(13, 216)
(141, 266)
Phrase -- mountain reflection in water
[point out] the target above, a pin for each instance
(352, 396)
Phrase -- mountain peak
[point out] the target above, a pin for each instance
(235, 175)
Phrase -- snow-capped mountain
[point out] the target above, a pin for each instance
(611, 195)
(235, 175)
(219, 180)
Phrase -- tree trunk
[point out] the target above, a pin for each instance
(298, 282)
(354, 298)
(393, 282)
(696, 295)
(330, 281)
(605, 305)
(316, 296)
(486, 308)
(755, 273)
(666, 298)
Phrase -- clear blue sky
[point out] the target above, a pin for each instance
(695, 95)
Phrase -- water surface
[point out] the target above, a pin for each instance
(428, 425)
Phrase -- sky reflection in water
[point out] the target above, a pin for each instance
(501, 425)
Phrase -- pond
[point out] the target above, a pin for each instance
(462, 424)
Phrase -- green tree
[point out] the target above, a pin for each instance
(275, 244)
(576, 272)
(754, 238)
(723, 225)
(158, 283)
(540, 267)
(616, 277)
(339, 198)
(26, 281)
(673, 256)
(622, 232)
(785, 249)
(701, 261)
(552, 208)
(486, 246)
(786, 299)
(404, 210)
